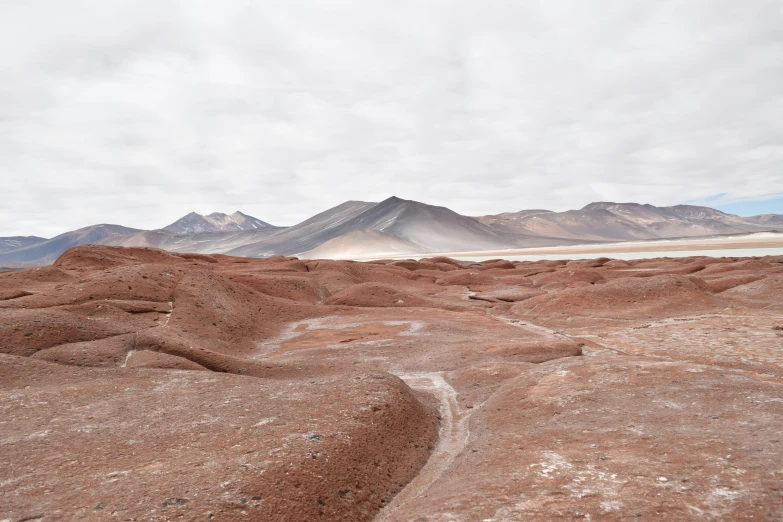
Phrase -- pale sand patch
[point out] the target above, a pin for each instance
(740, 242)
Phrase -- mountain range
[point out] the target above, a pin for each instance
(398, 227)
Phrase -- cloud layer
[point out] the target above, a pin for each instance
(137, 112)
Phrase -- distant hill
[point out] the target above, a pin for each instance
(13, 243)
(606, 221)
(767, 220)
(45, 252)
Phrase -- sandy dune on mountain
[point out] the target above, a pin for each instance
(362, 243)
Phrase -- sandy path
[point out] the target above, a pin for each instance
(453, 437)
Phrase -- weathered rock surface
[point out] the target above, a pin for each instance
(137, 384)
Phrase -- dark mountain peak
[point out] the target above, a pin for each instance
(190, 222)
(394, 202)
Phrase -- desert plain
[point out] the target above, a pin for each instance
(139, 384)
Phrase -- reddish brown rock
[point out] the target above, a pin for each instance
(375, 294)
(467, 278)
(569, 277)
(509, 295)
(141, 384)
(724, 283)
(627, 438)
(162, 444)
(618, 301)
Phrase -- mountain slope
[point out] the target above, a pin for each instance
(308, 234)
(436, 229)
(47, 251)
(194, 223)
(201, 243)
(15, 242)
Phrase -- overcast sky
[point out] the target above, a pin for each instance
(137, 112)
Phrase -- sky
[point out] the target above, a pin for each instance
(138, 112)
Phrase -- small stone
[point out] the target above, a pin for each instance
(174, 502)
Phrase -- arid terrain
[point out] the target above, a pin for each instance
(140, 384)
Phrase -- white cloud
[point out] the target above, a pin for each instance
(136, 112)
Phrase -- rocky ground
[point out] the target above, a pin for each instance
(137, 384)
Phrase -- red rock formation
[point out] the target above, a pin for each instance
(141, 384)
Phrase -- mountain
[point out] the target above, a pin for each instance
(45, 252)
(15, 242)
(607, 221)
(436, 229)
(194, 223)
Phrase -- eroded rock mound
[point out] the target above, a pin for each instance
(620, 300)
(628, 438)
(375, 295)
(162, 444)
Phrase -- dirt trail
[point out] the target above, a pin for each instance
(132, 351)
(591, 346)
(519, 323)
(453, 437)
